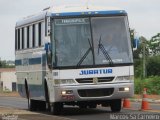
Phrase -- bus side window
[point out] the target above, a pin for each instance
(39, 34)
(20, 43)
(27, 36)
(18, 37)
(33, 36)
(30, 37)
(36, 35)
(22, 38)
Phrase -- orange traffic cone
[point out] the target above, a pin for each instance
(126, 103)
(145, 103)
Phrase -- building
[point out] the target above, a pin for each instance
(8, 79)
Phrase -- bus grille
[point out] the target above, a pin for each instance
(90, 80)
(96, 92)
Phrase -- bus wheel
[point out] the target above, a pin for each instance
(56, 108)
(32, 105)
(115, 105)
(41, 105)
(48, 107)
(82, 106)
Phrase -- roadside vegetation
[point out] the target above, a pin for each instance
(7, 64)
(148, 55)
(152, 84)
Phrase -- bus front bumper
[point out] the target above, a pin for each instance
(93, 92)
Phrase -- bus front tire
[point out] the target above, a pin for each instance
(56, 108)
(115, 105)
(92, 105)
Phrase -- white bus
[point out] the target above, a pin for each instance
(74, 56)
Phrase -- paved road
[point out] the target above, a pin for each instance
(100, 113)
(15, 102)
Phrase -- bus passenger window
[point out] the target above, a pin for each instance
(22, 38)
(27, 36)
(33, 35)
(36, 35)
(39, 34)
(30, 37)
(18, 39)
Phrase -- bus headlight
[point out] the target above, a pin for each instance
(124, 89)
(125, 78)
(67, 92)
(65, 81)
(63, 92)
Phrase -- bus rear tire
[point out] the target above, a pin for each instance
(56, 108)
(32, 105)
(115, 105)
(36, 105)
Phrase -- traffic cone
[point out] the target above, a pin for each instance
(126, 103)
(145, 103)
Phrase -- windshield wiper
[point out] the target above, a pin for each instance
(86, 53)
(104, 51)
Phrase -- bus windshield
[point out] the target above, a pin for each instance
(91, 41)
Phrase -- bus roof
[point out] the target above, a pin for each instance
(81, 9)
(69, 11)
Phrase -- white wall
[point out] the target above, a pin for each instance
(8, 78)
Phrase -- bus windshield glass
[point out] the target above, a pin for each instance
(91, 41)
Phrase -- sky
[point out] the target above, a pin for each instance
(144, 17)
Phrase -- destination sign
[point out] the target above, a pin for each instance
(72, 21)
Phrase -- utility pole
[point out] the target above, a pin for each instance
(144, 58)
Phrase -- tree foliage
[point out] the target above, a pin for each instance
(4, 64)
(154, 45)
(153, 66)
(152, 84)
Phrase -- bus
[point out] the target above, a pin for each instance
(74, 55)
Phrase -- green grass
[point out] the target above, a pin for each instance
(152, 84)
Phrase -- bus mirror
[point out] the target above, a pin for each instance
(49, 54)
(135, 43)
(47, 47)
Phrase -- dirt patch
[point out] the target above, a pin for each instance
(16, 114)
(9, 94)
(8, 110)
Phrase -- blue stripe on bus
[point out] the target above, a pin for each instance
(31, 61)
(18, 62)
(34, 61)
(90, 13)
(36, 90)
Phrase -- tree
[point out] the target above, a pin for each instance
(142, 51)
(4, 64)
(154, 45)
(138, 53)
(153, 66)
(0, 64)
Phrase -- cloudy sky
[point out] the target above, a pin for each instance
(144, 17)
